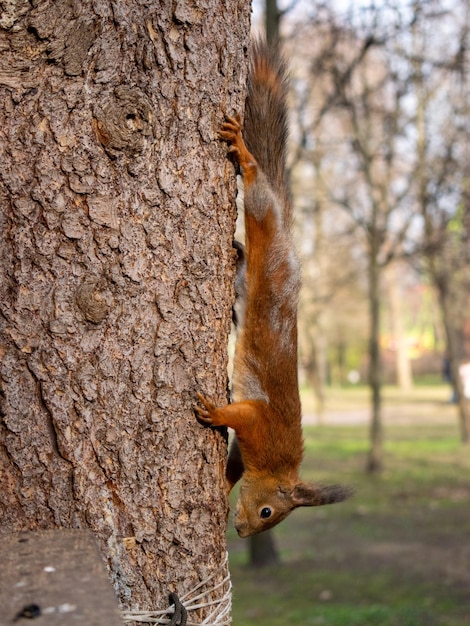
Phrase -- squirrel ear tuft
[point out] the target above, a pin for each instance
(318, 495)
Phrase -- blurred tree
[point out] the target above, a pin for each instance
(332, 288)
(263, 551)
(359, 121)
(332, 303)
(443, 181)
(272, 20)
(396, 309)
(273, 16)
(116, 278)
(390, 120)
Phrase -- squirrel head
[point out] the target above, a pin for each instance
(264, 503)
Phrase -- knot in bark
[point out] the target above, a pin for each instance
(91, 300)
(123, 122)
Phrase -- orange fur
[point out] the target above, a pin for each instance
(266, 412)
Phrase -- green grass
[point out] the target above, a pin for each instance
(397, 554)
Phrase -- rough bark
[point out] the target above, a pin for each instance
(116, 277)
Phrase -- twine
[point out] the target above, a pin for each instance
(219, 614)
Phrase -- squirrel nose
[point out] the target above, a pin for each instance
(241, 525)
(242, 530)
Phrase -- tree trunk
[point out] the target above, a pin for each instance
(454, 351)
(315, 365)
(444, 262)
(375, 460)
(319, 355)
(116, 278)
(263, 551)
(403, 363)
(272, 19)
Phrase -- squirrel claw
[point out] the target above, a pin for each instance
(203, 413)
(230, 128)
(233, 149)
(233, 121)
(228, 134)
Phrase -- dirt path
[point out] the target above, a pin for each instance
(397, 414)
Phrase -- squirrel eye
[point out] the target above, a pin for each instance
(265, 512)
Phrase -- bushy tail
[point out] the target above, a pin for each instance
(266, 123)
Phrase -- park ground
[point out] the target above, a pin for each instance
(398, 552)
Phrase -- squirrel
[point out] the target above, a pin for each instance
(265, 413)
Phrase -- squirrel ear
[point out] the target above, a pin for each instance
(318, 495)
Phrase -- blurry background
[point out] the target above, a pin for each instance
(380, 176)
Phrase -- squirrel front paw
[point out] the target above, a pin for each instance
(205, 409)
(231, 132)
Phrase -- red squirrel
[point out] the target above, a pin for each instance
(265, 413)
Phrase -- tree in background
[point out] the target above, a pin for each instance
(116, 278)
(359, 123)
(394, 287)
(443, 165)
(356, 134)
